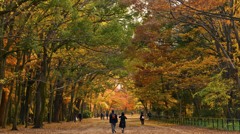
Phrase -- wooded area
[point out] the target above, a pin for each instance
(173, 58)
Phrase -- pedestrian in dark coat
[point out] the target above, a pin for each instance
(142, 118)
(107, 115)
(113, 120)
(122, 123)
(102, 116)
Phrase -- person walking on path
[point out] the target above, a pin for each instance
(107, 115)
(142, 118)
(102, 116)
(122, 123)
(113, 120)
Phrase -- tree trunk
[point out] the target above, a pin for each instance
(51, 99)
(3, 107)
(28, 100)
(6, 114)
(17, 92)
(23, 99)
(40, 94)
(71, 113)
(58, 102)
(17, 102)
(2, 58)
(2, 76)
(37, 122)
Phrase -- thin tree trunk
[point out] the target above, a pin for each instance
(37, 123)
(6, 114)
(71, 113)
(18, 92)
(28, 100)
(51, 99)
(23, 92)
(2, 57)
(3, 107)
(40, 94)
(58, 101)
(2, 76)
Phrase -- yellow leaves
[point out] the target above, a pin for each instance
(114, 99)
(82, 51)
(2, 81)
(104, 105)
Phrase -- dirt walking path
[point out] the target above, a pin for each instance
(97, 126)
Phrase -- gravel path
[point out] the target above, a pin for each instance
(97, 126)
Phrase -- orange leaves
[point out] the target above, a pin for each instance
(11, 60)
(147, 32)
(128, 2)
(205, 4)
(145, 77)
(159, 5)
(115, 99)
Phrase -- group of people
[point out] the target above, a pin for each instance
(113, 119)
(102, 116)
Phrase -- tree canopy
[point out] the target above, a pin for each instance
(174, 58)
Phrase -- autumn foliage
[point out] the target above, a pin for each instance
(169, 57)
(184, 45)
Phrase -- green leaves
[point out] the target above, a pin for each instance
(217, 92)
(112, 33)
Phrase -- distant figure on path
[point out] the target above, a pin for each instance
(113, 120)
(80, 117)
(102, 116)
(122, 123)
(107, 115)
(142, 118)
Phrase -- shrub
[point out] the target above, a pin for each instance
(87, 114)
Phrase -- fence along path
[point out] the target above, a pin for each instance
(97, 126)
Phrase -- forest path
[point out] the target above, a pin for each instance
(97, 126)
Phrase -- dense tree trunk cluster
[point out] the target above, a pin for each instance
(50, 51)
